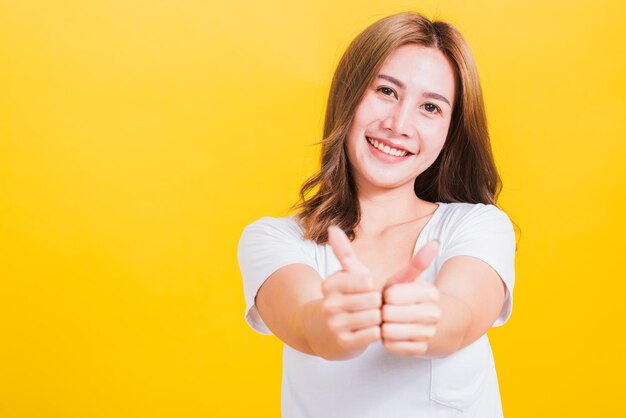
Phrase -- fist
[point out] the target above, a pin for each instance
(410, 315)
(411, 310)
(351, 304)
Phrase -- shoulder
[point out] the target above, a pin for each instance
(269, 243)
(458, 214)
(471, 209)
(455, 223)
(276, 235)
(480, 230)
(270, 227)
(265, 246)
(484, 232)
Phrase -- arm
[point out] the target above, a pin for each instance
(472, 295)
(469, 290)
(335, 319)
(470, 298)
(292, 304)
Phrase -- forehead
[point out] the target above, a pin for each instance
(421, 68)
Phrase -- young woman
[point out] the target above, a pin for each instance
(384, 285)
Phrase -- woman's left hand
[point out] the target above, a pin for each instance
(410, 311)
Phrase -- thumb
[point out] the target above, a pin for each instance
(342, 247)
(418, 264)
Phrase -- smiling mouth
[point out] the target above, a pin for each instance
(394, 152)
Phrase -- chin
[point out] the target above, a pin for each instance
(388, 183)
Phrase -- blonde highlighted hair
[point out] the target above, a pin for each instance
(464, 170)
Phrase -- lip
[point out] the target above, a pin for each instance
(390, 144)
(384, 156)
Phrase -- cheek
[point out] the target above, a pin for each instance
(433, 141)
(352, 138)
(352, 144)
(441, 136)
(438, 133)
(367, 112)
(360, 122)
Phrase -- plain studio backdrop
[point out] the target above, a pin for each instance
(138, 138)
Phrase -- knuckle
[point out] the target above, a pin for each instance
(327, 286)
(436, 315)
(370, 335)
(386, 313)
(376, 299)
(419, 349)
(388, 294)
(430, 319)
(330, 305)
(422, 333)
(375, 333)
(328, 308)
(417, 332)
(375, 316)
(385, 330)
(344, 339)
(335, 323)
(430, 331)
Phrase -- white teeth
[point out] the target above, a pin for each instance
(386, 148)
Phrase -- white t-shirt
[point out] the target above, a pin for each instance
(379, 383)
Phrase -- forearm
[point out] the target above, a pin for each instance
(452, 329)
(471, 298)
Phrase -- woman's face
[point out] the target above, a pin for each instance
(401, 123)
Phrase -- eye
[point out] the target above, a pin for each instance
(387, 91)
(431, 108)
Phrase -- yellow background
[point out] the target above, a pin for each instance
(138, 138)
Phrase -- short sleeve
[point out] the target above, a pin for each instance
(485, 232)
(264, 247)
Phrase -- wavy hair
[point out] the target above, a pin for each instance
(464, 171)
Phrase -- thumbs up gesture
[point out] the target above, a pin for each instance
(410, 310)
(351, 302)
(404, 312)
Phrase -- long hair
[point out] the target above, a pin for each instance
(464, 171)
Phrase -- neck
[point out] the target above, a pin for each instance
(385, 208)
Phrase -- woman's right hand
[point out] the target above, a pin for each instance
(351, 303)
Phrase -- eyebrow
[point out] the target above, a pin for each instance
(429, 94)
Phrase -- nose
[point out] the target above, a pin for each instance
(399, 121)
